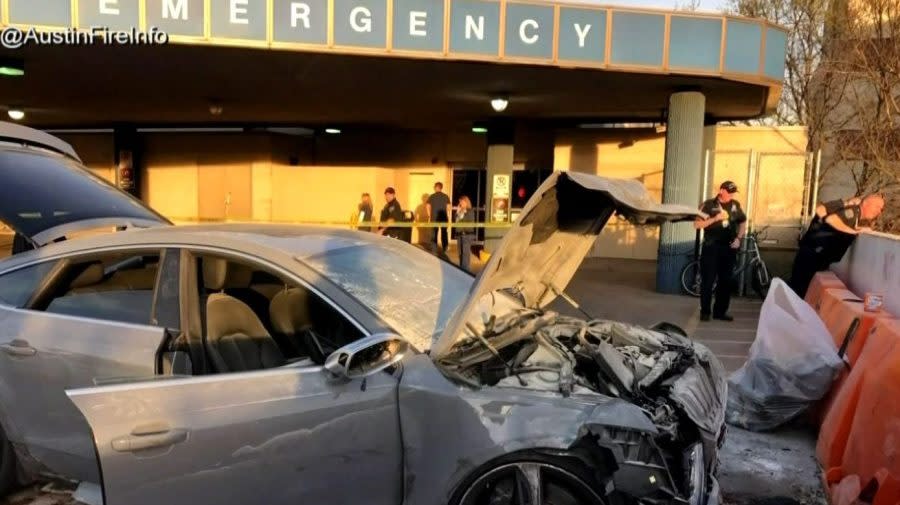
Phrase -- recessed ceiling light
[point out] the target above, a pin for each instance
(12, 68)
(332, 131)
(479, 129)
(16, 114)
(500, 103)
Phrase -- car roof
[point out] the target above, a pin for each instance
(22, 135)
(262, 239)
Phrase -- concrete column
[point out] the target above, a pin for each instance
(709, 143)
(500, 159)
(681, 184)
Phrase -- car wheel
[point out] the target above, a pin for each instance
(531, 482)
(7, 465)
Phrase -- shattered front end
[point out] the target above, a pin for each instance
(678, 384)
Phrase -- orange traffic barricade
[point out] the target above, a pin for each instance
(846, 319)
(860, 437)
(822, 281)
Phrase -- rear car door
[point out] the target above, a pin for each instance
(89, 321)
(281, 436)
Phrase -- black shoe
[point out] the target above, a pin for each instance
(724, 317)
(704, 317)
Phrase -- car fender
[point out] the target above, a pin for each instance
(450, 430)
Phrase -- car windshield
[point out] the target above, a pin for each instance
(44, 190)
(413, 291)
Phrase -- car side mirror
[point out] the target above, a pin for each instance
(367, 356)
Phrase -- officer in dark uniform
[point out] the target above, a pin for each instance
(723, 231)
(830, 234)
(391, 213)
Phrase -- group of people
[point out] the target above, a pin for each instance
(435, 209)
(828, 237)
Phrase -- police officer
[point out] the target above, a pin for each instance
(836, 225)
(391, 213)
(723, 230)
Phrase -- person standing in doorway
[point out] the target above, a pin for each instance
(391, 213)
(439, 212)
(424, 232)
(830, 234)
(723, 231)
(364, 212)
(465, 235)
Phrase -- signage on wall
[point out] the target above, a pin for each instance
(125, 171)
(499, 210)
(501, 186)
(500, 198)
(459, 27)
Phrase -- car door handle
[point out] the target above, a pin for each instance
(149, 437)
(18, 348)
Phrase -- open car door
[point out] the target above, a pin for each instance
(282, 436)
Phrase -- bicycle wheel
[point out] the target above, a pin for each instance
(690, 278)
(760, 279)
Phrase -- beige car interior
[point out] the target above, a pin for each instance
(255, 320)
(94, 280)
(236, 339)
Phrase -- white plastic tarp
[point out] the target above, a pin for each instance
(792, 364)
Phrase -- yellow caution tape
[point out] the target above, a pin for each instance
(346, 224)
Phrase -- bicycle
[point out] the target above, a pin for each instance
(749, 260)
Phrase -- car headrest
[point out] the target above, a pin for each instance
(226, 315)
(290, 311)
(219, 274)
(93, 274)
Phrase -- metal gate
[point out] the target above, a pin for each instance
(776, 189)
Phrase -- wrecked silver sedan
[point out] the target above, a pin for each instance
(243, 364)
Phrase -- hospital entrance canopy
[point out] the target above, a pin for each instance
(422, 63)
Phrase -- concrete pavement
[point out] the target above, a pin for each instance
(731, 341)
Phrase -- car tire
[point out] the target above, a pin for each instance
(7, 465)
(565, 477)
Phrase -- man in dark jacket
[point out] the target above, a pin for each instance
(439, 212)
(830, 234)
(723, 231)
(391, 213)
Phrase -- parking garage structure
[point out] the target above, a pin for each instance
(251, 103)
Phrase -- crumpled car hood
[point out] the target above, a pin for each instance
(557, 228)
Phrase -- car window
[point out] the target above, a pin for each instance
(117, 288)
(122, 306)
(17, 286)
(255, 319)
